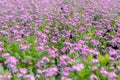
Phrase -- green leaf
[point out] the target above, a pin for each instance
(112, 23)
(89, 58)
(103, 59)
(52, 77)
(59, 45)
(29, 58)
(41, 28)
(1, 70)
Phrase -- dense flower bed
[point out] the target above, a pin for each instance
(59, 39)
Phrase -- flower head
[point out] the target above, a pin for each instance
(78, 67)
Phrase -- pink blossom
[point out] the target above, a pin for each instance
(95, 42)
(64, 49)
(29, 77)
(1, 49)
(30, 62)
(112, 51)
(23, 70)
(5, 55)
(11, 60)
(112, 75)
(1, 76)
(118, 68)
(65, 78)
(24, 61)
(78, 67)
(94, 68)
(1, 43)
(20, 75)
(7, 76)
(37, 76)
(45, 59)
(66, 71)
(103, 71)
(63, 57)
(24, 47)
(12, 67)
(93, 77)
(51, 71)
(95, 60)
(40, 71)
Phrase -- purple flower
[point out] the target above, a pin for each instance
(7, 75)
(12, 67)
(93, 77)
(1, 49)
(5, 55)
(63, 57)
(51, 71)
(66, 71)
(95, 61)
(11, 60)
(112, 75)
(30, 77)
(1, 43)
(1, 76)
(94, 68)
(103, 71)
(95, 42)
(40, 71)
(24, 47)
(65, 78)
(23, 70)
(112, 51)
(45, 59)
(78, 67)
(64, 49)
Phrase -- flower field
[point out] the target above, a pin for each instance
(59, 39)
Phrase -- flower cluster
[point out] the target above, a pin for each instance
(59, 39)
